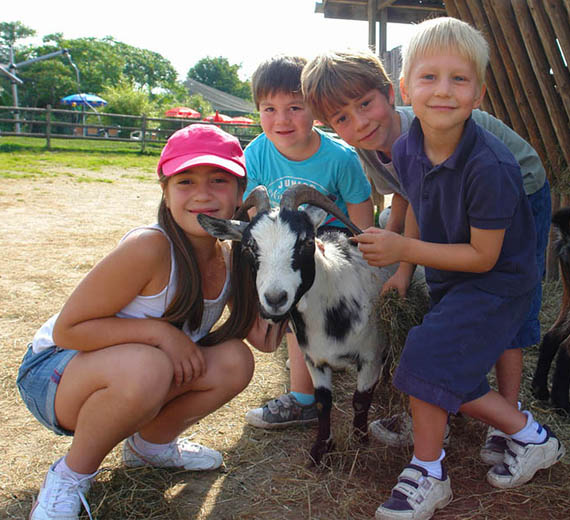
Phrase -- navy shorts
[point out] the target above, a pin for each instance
(446, 359)
(541, 206)
(38, 378)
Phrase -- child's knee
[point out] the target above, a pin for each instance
(149, 377)
(238, 366)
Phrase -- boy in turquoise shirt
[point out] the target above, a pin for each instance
(291, 151)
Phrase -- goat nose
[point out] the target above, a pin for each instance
(276, 299)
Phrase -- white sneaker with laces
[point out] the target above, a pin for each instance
(416, 496)
(522, 461)
(181, 453)
(61, 497)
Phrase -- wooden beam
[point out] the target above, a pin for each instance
(529, 126)
(372, 25)
(549, 99)
(551, 21)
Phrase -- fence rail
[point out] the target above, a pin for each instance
(49, 123)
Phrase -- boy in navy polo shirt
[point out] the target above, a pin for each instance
(470, 224)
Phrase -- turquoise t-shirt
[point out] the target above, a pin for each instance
(334, 169)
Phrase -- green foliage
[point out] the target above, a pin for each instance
(218, 73)
(11, 32)
(123, 98)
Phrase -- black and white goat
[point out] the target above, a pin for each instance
(557, 339)
(322, 285)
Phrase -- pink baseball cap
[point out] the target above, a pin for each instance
(200, 144)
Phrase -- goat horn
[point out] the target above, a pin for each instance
(299, 194)
(258, 199)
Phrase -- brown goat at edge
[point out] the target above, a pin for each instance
(557, 339)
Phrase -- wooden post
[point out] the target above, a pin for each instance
(549, 108)
(143, 133)
(529, 126)
(48, 127)
(371, 14)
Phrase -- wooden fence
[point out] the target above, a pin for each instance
(48, 123)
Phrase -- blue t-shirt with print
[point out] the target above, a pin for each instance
(333, 170)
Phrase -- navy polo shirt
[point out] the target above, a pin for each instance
(479, 186)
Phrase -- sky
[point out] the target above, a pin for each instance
(184, 31)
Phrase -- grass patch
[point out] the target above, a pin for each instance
(29, 155)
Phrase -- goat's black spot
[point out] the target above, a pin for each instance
(339, 319)
(298, 324)
(354, 358)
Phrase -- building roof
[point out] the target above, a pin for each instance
(221, 101)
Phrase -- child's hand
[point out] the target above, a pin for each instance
(399, 281)
(187, 358)
(379, 247)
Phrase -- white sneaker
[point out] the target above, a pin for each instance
(522, 461)
(61, 496)
(493, 451)
(397, 431)
(416, 496)
(180, 454)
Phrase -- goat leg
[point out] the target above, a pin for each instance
(361, 402)
(324, 442)
(547, 351)
(561, 378)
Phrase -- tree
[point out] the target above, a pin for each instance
(218, 73)
(10, 33)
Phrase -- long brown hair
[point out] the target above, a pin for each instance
(187, 306)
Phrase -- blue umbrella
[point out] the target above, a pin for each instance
(83, 99)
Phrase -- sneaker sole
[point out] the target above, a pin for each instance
(492, 458)
(506, 484)
(400, 515)
(260, 423)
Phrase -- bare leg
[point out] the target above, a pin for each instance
(299, 374)
(509, 373)
(494, 409)
(429, 423)
(106, 395)
(230, 368)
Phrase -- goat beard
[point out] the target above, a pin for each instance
(274, 334)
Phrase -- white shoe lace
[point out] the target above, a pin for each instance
(64, 495)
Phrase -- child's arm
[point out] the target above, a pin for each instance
(88, 322)
(362, 214)
(380, 248)
(397, 214)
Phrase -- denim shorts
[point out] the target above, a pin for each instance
(37, 382)
(446, 359)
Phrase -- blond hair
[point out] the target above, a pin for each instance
(444, 33)
(333, 78)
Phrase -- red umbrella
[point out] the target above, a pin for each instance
(218, 118)
(242, 120)
(185, 112)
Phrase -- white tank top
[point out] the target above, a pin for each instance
(155, 305)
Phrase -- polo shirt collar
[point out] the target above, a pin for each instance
(415, 144)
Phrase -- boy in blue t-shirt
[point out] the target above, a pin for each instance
(470, 224)
(291, 151)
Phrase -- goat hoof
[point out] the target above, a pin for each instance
(361, 436)
(318, 450)
(540, 392)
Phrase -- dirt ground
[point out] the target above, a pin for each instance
(51, 233)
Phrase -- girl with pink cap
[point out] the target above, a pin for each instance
(131, 356)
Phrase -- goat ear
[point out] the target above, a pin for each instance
(317, 215)
(221, 228)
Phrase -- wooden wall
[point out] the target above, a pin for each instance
(528, 79)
